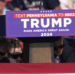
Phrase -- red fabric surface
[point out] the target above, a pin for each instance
(36, 68)
(9, 1)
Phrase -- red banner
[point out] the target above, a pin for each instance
(50, 68)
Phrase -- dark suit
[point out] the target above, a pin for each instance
(19, 4)
(5, 60)
(50, 4)
(68, 54)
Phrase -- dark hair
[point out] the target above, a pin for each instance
(13, 43)
(58, 39)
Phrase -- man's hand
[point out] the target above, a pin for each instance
(16, 9)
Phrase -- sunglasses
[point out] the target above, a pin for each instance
(2, 0)
(58, 47)
(15, 56)
(2, 54)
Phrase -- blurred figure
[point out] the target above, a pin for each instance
(27, 4)
(51, 4)
(66, 4)
(3, 50)
(15, 51)
(9, 4)
(64, 51)
(18, 5)
(2, 7)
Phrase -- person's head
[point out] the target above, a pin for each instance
(2, 4)
(15, 51)
(58, 46)
(3, 47)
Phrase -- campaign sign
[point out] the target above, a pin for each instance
(40, 23)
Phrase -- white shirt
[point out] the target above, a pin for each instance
(4, 11)
(57, 59)
(12, 60)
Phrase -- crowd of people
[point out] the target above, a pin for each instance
(11, 50)
(16, 5)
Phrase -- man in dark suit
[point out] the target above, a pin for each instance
(63, 51)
